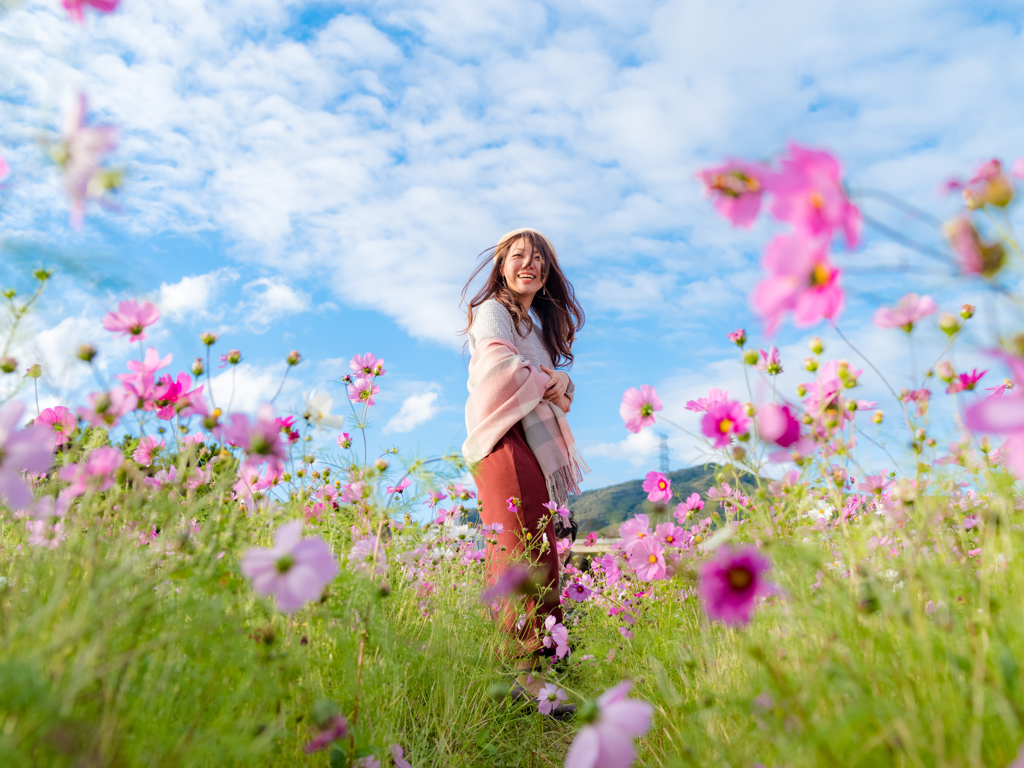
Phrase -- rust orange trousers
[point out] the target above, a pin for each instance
(511, 469)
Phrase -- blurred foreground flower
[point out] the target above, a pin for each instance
(800, 280)
(80, 155)
(975, 257)
(908, 311)
(731, 583)
(5, 169)
(20, 449)
(76, 8)
(294, 570)
(131, 319)
(606, 741)
(638, 407)
(59, 423)
(318, 410)
(736, 187)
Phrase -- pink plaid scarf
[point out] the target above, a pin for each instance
(504, 388)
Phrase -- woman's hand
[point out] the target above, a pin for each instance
(555, 390)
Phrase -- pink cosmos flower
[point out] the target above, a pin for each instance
(990, 186)
(658, 488)
(738, 337)
(131, 319)
(670, 534)
(344, 440)
(590, 539)
(45, 533)
(294, 570)
(252, 480)
(367, 365)
(550, 696)
(736, 188)
(634, 529)
(5, 169)
(723, 420)
(638, 407)
(647, 559)
(398, 756)
(141, 382)
(336, 728)
(777, 424)
(96, 473)
(999, 389)
(770, 362)
(556, 509)
(702, 404)
(148, 447)
(607, 741)
(49, 507)
(732, 582)
(80, 156)
(405, 483)
(693, 503)
(578, 590)
(106, 408)
(368, 557)
(974, 256)
(21, 450)
(353, 493)
(494, 528)
(908, 311)
(60, 422)
(260, 438)
(164, 478)
(509, 581)
(556, 636)
(200, 476)
(1003, 415)
(800, 280)
(76, 8)
(965, 382)
(809, 195)
(173, 397)
(362, 391)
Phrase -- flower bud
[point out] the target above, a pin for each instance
(877, 418)
(919, 434)
(816, 346)
(309, 458)
(86, 352)
(8, 364)
(197, 366)
(233, 356)
(811, 364)
(750, 409)
(806, 419)
(851, 405)
(801, 390)
(750, 357)
(930, 442)
(849, 382)
(967, 311)
(209, 339)
(294, 357)
(945, 371)
(739, 452)
(948, 323)
(843, 369)
(33, 371)
(42, 275)
(300, 473)
(739, 338)
(381, 465)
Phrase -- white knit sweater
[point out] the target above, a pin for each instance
(492, 321)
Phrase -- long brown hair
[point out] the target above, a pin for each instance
(561, 317)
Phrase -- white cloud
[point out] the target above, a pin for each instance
(245, 387)
(638, 448)
(193, 294)
(271, 298)
(415, 410)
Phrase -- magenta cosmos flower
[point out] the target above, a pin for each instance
(770, 362)
(606, 741)
(965, 382)
(809, 195)
(106, 408)
(736, 188)
(260, 438)
(59, 423)
(294, 570)
(131, 319)
(730, 584)
(172, 397)
(80, 156)
(800, 280)
(367, 365)
(638, 407)
(20, 450)
(777, 424)
(647, 559)
(908, 311)
(95, 473)
(723, 420)
(658, 487)
(76, 8)
(148, 447)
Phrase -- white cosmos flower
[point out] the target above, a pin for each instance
(318, 410)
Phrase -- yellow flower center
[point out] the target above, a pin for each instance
(652, 559)
(724, 426)
(662, 485)
(816, 200)
(739, 578)
(820, 275)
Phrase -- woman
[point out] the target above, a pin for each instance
(521, 327)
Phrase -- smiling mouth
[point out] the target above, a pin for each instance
(527, 276)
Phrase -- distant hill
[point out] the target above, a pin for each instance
(604, 509)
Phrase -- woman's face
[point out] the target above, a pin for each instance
(523, 270)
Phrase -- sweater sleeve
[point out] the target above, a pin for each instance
(491, 321)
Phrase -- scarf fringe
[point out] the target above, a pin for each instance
(565, 481)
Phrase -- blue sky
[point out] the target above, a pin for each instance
(322, 176)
